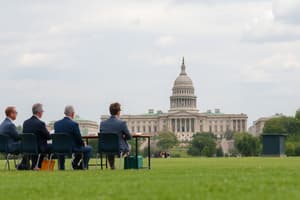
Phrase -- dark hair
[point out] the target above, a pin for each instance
(114, 108)
(9, 110)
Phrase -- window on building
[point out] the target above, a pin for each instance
(173, 125)
(178, 125)
(138, 129)
(210, 129)
(192, 125)
(216, 128)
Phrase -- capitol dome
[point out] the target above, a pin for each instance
(183, 97)
(183, 79)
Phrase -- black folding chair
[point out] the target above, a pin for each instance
(62, 146)
(5, 151)
(108, 144)
(29, 146)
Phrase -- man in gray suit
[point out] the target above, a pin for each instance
(115, 125)
(8, 128)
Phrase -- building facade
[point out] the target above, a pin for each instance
(183, 117)
(258, 126)
(87, 127)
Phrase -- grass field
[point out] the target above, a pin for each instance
(177, 178)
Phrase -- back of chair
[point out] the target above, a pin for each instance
(109, 143)
(61, 143)
(29, 143)
(3, 143)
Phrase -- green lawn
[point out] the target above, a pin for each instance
(178, 178)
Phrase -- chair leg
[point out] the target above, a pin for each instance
(101, 161)
(120, 161)
(50, 159)
(37, 162)
(7, 162)
(82, 161)
(106, 158)
(72, 159)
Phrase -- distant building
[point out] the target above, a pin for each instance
(87, 127)
(258, 126)
(183, 117)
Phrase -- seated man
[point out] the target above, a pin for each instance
(115, 125)
(36, 126)
(8, 128)
(68, 125)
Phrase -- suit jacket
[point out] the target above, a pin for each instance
(8, 128)
(37, 127)
(67, 125)
(115, 125)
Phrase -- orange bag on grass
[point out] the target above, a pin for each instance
(47, 166)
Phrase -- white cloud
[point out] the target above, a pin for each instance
(272, 68)
(279, 23)
(287, 10)
(34, 59)
(165, 41)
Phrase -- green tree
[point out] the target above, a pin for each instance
(288, 125)
(290, 149)
(228, 135)
(246, 144)
(275, 125)
(166, 140)
(297, 115)
(203, 144)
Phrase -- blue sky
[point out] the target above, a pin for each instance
(243, 56)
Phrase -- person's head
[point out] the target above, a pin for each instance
(37, 110)
(115, 109)
(11, 112)
(69, 111)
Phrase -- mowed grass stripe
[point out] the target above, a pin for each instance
(176, 178)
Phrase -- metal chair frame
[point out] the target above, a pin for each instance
(101, 152)
(8, 155)
(35, 147)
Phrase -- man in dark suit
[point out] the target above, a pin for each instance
(68, 125)
(115, 125)
(8, 128)
(36, 126)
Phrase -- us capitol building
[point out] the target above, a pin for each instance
(183, 117)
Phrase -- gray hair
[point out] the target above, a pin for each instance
(69, 110)
(37, 108)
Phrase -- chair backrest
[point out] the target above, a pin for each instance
(29, 144)
(109, 143)
(61, 143)
(3, 143)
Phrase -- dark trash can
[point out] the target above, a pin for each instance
(130, 162)
(274, 145)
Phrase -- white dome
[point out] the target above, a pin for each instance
(183, 80)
